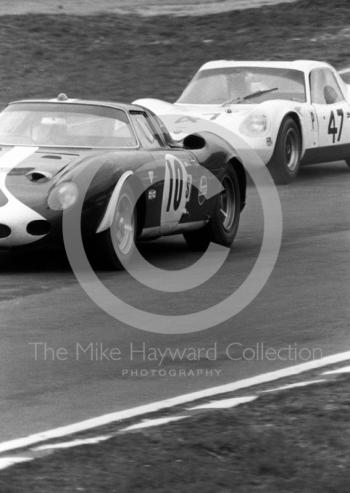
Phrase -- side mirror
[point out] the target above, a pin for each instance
(194, 141)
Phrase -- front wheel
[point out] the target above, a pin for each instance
(116, 245)
(223, 225)
(285, 162)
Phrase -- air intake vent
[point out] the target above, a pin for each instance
(51, 156)
(39, 176)
(5, 231)
(38, 228)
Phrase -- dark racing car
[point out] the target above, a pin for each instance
(47, 145)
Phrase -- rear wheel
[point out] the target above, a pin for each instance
(285, 162)
(223, 225)
(116, 245)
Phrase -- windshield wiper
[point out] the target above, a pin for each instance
(259, 93)
(255, 94)
(232, 101)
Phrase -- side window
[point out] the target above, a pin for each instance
(146, 133)
(324, 87)
(163, 131)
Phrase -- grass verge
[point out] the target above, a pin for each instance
(127, 57)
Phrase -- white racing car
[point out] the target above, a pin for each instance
(291, 113)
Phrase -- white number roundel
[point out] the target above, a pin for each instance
(177, 189)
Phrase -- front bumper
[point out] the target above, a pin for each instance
(35, 233)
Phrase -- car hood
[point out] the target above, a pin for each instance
(174, 115)
(42, 164)
(207, 109)
(229, 116)
(162, 108)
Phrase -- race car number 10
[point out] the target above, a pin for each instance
(177, 189)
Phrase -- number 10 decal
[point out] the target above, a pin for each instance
(333, 129)
(177, 190)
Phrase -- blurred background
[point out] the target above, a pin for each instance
(123, 50)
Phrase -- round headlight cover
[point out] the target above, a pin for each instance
(255, 124)
(63, 196)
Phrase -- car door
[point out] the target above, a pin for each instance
(168, 177)
(332, 113)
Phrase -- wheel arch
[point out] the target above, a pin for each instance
(242, 178)
(126, 177)
(296, 118)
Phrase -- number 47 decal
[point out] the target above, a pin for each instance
(333, 129)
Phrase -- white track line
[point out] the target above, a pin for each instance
(73, 443)
(294, 385)
(168, 403)
(6, 462)
(345, 369)
(224, 403)
(147, 423)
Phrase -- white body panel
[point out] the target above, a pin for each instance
(315, 120)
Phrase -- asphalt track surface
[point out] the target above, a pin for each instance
(305, 304)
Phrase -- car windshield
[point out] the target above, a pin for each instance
(66, 125)
(233, 84)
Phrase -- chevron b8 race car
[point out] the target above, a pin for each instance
(46, 146)
(291, 113)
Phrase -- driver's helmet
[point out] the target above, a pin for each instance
(255, 83)
(50, 131)
(240, 84)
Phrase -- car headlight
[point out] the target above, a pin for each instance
(255, 124)
(63, 196)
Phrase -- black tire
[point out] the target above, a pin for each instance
(223, 225)
(347, 162)
(285, 162)
(116, 245)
